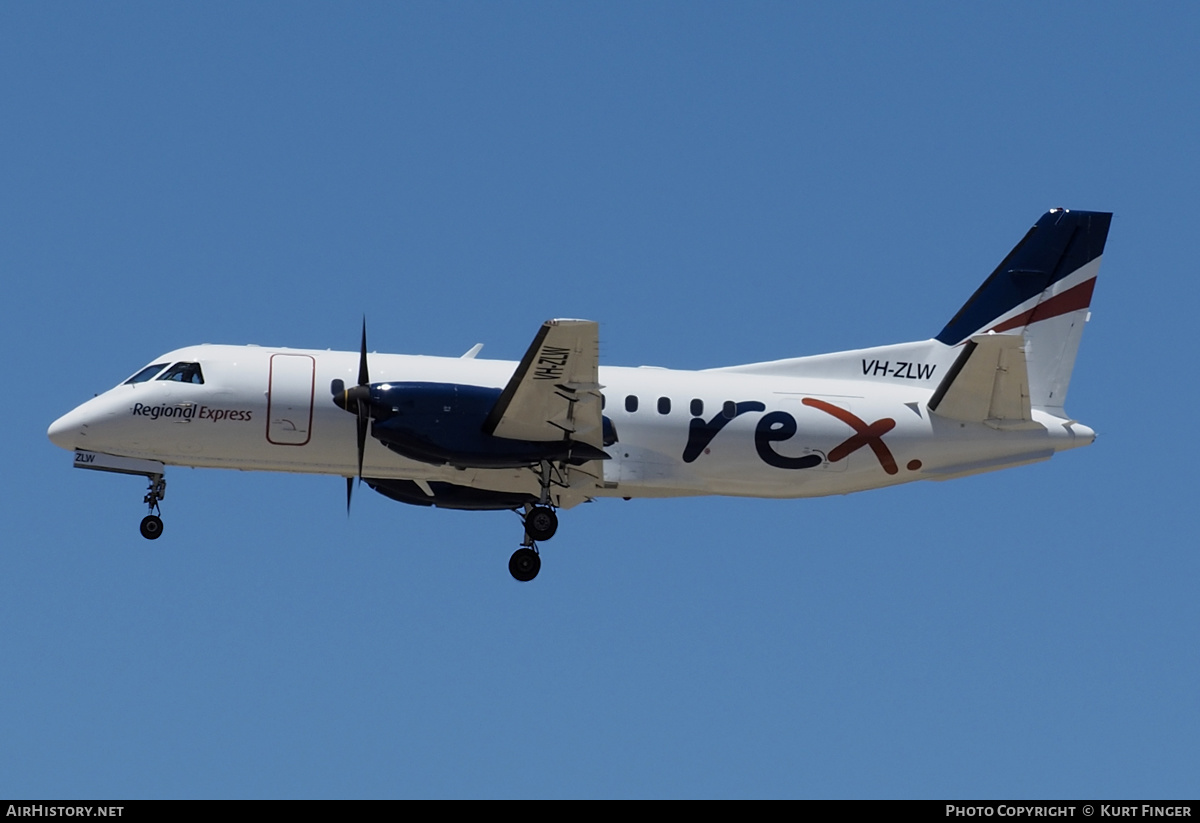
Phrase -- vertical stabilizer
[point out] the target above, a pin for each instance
(1042, 291)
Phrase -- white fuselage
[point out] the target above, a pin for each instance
(270, 409)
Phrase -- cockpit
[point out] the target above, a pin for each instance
(180, 373)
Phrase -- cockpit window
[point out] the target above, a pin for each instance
(183, 373)
(146, 374)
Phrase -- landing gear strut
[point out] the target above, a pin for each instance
(152, 524)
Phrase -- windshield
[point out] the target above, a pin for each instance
(146, 374)
(184, 373)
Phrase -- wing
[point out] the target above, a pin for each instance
(555, 392)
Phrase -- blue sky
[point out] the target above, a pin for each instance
(715, 184)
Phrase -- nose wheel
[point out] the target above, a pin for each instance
(151, 526)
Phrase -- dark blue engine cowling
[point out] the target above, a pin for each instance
(442, 424)
(450, 495)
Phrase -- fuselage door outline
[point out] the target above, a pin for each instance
(290, 391)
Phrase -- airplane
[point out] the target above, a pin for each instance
(557, 429)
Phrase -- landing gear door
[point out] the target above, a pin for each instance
(290, 399)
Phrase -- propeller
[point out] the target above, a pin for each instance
(358, 401)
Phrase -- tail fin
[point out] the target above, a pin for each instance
(1042, 290)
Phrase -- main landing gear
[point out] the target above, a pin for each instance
(540, 524)
(152, 524)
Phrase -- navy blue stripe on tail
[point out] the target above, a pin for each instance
(1060, 243)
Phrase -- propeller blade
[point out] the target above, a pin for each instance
(357, 400)
(362, 438)
(363, 377)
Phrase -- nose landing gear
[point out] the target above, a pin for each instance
(152, 524)
(152, 470)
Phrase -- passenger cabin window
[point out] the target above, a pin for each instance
(664, 405)
(729, 409)
(146, 374)
(697, 407)
(631, 403)
(184, 373)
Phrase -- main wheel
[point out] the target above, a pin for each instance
(524, 565)
(541, 523)
(151, 527)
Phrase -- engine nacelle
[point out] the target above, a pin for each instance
(442, 424)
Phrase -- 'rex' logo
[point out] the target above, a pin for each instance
(864, 435)
(779, 425)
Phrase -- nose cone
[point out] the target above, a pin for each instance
(67, 430)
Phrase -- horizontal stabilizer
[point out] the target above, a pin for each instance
(555, 392)
(988, 383)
